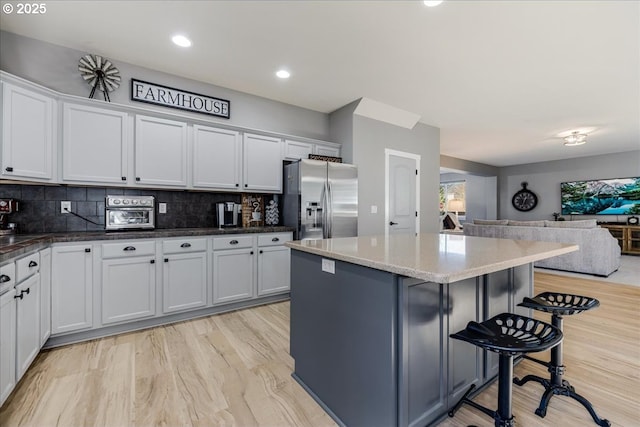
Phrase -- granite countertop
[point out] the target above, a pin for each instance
(12, 246)
(441, 258)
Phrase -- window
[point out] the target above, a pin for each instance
(452, 198)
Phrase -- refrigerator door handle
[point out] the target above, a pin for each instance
(330, 213)
(325, 213)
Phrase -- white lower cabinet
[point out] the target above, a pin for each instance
(247, 266)
(128, 281)
(233, 274)
(7, 344)
(184, 274)
(27, 323)
(71, 288)
(273, 270)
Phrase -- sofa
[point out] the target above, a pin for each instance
(599, 252)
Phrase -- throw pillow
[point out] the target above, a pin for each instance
(527, 223)
(585, 223)
(491, 221)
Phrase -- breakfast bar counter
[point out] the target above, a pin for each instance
(371, 318)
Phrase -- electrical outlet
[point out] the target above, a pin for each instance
(162, 208)
(65, 207)
(329, 266)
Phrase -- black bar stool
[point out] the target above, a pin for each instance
(508, 335)
(558, 305)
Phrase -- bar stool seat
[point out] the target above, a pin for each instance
(558, 304)
(508, 335)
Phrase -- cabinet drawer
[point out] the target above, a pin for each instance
(27, 266)
(232, 242)
(273, 239)
(7, 276)
(128, 249)
(184, 245)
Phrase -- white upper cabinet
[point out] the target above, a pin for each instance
(161, 152)
(262, 163)
(94, 144)
(296, 150)
(327, 150)
(28, 129)
(217, 158)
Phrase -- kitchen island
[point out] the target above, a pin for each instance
(371, 318)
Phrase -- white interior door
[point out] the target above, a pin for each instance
(402, 195)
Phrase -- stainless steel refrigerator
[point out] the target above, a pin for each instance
(321, 199)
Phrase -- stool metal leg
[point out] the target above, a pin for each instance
(557, 385)
(504, 417)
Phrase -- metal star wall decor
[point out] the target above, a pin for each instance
(99, 73)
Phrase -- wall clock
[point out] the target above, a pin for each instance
(99, 73)
(524, 200)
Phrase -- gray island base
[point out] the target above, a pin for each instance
(371, 318)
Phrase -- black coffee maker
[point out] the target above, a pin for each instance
(227, 214)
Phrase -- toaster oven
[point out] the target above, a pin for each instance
(129, 212)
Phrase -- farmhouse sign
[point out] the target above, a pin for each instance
(152, 93)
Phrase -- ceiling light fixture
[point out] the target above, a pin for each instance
(432, 3)
(576, 138)
(283, 74)
(181, 40)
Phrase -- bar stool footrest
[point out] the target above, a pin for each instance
(499, 422)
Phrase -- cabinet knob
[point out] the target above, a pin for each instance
(166, 260)
(237, 185)
(246, 185)
(87, 250)
(9, 169)
(32, 264)
(4, 278)
(251, 253)
(260, 250)
(185, 245)
(153, 261)
(124, 178)
(137, 178)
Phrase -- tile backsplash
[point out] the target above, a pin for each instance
(40, 207)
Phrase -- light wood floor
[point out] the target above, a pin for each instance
(234, 370)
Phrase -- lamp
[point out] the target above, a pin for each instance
(576, 138)
(456, 205)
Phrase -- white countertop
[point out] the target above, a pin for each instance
(441, 258)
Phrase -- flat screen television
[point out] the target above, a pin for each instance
(619, 196)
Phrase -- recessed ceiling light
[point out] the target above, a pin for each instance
(181, 40)
(283, 74)
(432, 3)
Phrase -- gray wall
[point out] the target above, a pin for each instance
(468, 166)
(56, 67)
(341, 129)
(481, 196)
(370, 138)
(544, 179)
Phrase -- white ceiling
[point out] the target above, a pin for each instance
(501, 79)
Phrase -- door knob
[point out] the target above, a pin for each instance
(393, 223)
